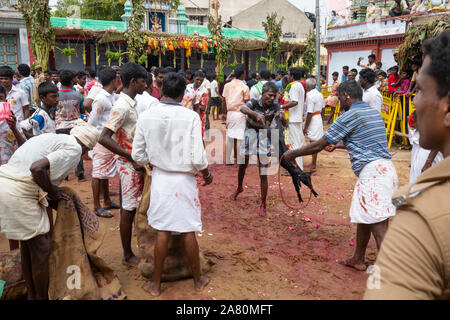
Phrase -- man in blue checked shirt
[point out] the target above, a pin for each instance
(27, 84)
(361, 131)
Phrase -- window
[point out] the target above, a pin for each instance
(8, 50)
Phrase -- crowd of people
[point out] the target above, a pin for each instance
(130, 120)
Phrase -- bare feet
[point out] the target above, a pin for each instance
(132, 261)
(152, 287)
(262, 211)
(350, 262)
(236, 193)
(201, 283)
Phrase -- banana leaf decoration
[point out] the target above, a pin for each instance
(84, 53)
(242, 57)
(175, 59)
(97, 55)
(201, 61)
(160, 60)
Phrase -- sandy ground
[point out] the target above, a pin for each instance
(283, 256)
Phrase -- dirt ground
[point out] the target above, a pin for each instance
(289, 255)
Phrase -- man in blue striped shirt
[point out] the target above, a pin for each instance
(361, 131)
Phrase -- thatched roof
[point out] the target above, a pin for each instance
(113, 35)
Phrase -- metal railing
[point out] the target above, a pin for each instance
(395, 112)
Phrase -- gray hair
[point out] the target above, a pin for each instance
(269, 86)
(311, 83)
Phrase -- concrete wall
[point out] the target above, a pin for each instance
(345, 58)
(295, 20)
(229, 8)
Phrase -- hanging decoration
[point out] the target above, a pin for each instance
(201, 61)
(69, 52)
(175, 59)
(84, 53)
(242, 57)
(160, 60)
(97, 55)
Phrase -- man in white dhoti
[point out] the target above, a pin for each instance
(295, 106)
(313, 124)
(103, 161)
(361, 131)
(236, 94)
(29, 181)
(169, 138)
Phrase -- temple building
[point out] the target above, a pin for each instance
(368, 28)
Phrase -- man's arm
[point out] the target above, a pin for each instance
(310, 149)
(11, 121)
(88, 104)
(40, 173)
(290, 105)
(253, 114)
(107, 141)
(139, 152)
(307, 122)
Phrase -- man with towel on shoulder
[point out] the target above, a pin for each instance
(30, 183)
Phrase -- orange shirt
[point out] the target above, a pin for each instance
(236, 94)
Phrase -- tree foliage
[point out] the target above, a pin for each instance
(36, 14)
(309, 56)
(224, 47)
(111, 10)
(135, 41)
(274, 32)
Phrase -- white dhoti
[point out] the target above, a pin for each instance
(103, 163)
(315, 128)
(296, 139)
(174, 202)
(23, 203)
(236, 123)
(372, 197)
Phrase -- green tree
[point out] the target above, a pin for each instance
(135, 40)
(36, 14)
(274, 32)
(64, 8)
(309, 56)
(111, 10)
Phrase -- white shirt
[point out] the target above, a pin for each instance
(214, 86)
(373, 98)
(254, 92)
(40, 122)
(94, 90)
(314, 101)
(297, 93)
(169, 137)
(101, 108)
(62, 151)
(207, 84)
(17, 98)
(145, 101)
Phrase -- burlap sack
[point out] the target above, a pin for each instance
(176, 264)
(77, 236)
(14, 287)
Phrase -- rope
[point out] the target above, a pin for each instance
(281, 192)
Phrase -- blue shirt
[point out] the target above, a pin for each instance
(362, 131)
(344, 78)
(279, 84)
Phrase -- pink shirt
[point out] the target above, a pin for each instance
(236, 94)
